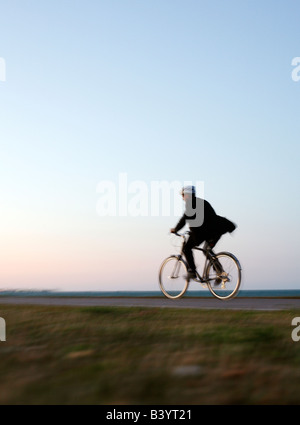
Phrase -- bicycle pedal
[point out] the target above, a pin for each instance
(188, 277)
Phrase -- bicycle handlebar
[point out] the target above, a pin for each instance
(182, 235)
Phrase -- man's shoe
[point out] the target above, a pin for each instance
(218, 281)
(191, 275)
(223, 279)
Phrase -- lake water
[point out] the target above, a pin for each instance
(203, 293)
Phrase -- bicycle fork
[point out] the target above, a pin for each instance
(176, 269)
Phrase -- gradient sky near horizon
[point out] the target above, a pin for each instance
(159, 90)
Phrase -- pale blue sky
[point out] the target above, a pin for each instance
(160, 90)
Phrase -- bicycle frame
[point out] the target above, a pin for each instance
(207, 252)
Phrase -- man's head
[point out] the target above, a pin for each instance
(188, 192)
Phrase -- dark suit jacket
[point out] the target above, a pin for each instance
(202, 220)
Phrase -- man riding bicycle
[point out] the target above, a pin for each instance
(205, 225)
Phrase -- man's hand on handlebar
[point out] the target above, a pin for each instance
(178, 234)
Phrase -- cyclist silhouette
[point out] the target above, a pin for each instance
(205, 225)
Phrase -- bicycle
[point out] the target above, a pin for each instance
(222, 273)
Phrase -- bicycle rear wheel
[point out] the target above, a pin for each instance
(172, 277)
(223, 274)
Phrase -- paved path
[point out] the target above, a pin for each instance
(263, 304)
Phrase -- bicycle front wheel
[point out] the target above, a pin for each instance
(223, 276)
(173, 277)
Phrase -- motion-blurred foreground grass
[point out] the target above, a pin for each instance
(64, 355)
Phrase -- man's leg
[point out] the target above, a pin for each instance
(217, 266)
(187, 250)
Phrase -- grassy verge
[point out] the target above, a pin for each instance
(66, 355)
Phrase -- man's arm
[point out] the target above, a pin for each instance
(180, 224)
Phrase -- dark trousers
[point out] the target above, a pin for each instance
(196, 240)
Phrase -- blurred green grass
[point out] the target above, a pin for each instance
(110, 355)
